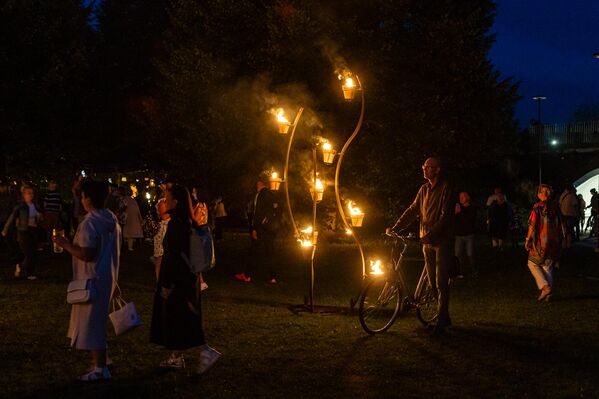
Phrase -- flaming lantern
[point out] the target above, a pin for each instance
(124, 179)
(308, 237)
(275, 181)
(328, 153)
(317, 190)
(349, 89)
(375, 268)
(283, 122)
(357, 216)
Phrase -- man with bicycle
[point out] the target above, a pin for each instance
(434, 204)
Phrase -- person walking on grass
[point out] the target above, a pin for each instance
(544, 241)
(26, 216)
(177, 313)
(500, 215)
(434, 203)
(95, 251)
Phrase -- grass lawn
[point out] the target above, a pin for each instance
(503, 343)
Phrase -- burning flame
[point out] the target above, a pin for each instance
(274, 175)
(349, 232)
(375, 267)
(281, 116)
(353, 210)
(327, 146)
(349, 82)
(319, 186)
(307, 230)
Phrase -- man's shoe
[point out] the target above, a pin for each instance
(243, 277)
(96, 374)
(208, 357)
(173, 362)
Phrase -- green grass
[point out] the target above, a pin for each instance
(503, 343)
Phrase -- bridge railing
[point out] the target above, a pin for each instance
(579, 134)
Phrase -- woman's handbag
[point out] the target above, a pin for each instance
(125, 317)
(81, 291)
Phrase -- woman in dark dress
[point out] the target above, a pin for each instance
(177, 313)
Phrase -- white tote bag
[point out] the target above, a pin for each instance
(124, 317)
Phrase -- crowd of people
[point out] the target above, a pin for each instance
(104, 217)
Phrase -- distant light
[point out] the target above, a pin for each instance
(539, 98)
(596, 55)
(82, 173)
(553, 142)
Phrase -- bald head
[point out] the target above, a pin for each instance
(431, 169)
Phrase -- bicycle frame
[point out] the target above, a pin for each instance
(398, 269)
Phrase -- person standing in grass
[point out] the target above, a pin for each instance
(26, 216)
(95, 250)
(465, 227)
(544, 241)
(177, 312)
(434, 203)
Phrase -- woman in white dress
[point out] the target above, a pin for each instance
(133, 221)
(95, 250)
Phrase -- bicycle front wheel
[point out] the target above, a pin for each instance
(380, 303)
(426, 301)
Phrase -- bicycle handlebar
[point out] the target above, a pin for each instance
(394, 234)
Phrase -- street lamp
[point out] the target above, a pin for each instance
(538, 99)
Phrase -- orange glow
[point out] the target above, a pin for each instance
(375, 267)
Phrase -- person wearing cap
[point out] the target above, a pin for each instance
(263, 227)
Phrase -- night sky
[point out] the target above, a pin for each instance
(547, 45)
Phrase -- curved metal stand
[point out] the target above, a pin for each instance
(337, 171)
(286, 171)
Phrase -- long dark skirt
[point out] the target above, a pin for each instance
(177, 321)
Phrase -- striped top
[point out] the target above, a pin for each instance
(52, 202)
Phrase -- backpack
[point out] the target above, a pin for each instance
(201, 250)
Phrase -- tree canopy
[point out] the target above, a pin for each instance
(185, 87)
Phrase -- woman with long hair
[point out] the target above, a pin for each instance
(177, 313)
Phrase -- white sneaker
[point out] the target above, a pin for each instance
(18, 271)
(203, 286)
(208, 356)
(96, 374)
(173, 362)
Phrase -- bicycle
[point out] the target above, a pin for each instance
(382, 298)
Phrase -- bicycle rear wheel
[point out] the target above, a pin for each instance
(380, 303)
(426, 301)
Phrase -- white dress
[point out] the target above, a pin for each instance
(99, 229)
(133, 220)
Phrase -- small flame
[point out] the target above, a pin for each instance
(319, 186)
(375, 267)
(327, 146)
(307, 230)
(274, 175)
(349, 232)
(349, 82)
(281, 116)
(353, 210)
(148, 196)
(306, 243)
